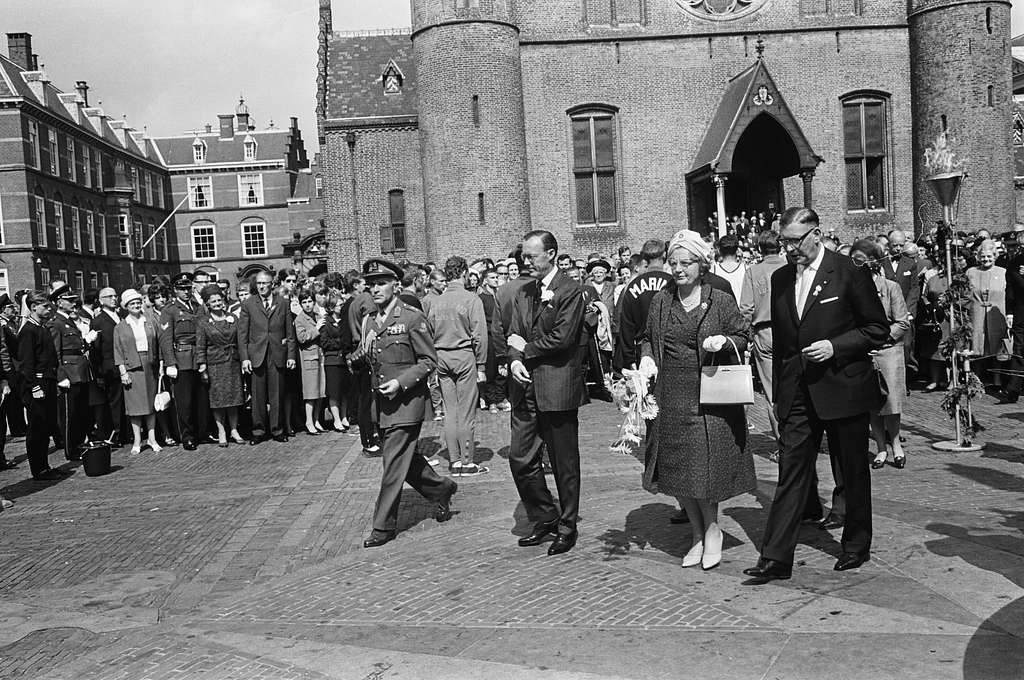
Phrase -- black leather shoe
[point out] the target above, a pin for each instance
(769, 570)
(563, 543)
(1008, 398)
(257, 439)
(811, 519)
(832, 522)
(899, 462)
(189, 445)
(877, 463)
(282, 438)
(7, 465)
(850, 561)
(50, 475)
(444, 506)
(540, 531)
(378, 539)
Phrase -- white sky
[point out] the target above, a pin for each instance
(173, 65)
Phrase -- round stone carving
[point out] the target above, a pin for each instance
(720, 10)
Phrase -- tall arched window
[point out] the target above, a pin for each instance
(865, 143)
(392, 234)
(594, 164)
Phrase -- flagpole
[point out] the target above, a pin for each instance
(142, 248)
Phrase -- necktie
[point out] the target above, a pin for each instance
(803, 277)
(266, 304)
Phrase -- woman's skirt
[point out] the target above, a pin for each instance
(225, 384)
(139, 396)
(337, 379)
(890, 363)
(312, 378)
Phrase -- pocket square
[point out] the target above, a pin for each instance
(831, 299)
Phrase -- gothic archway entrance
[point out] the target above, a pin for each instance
(751, 146)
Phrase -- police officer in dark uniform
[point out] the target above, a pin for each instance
(177, 333)
(9, 378)
(400, 352)
(38, 385)
(73, 373)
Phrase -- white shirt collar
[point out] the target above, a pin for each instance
(112, 314)
(548, 278)
(816, 262)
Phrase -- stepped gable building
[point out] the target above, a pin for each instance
(80, 192)
(237, 187)
(611, 121)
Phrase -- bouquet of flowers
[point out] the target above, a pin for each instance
(631, 396)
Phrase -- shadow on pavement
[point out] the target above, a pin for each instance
(28, 486)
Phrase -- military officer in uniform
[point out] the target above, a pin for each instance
(73, 372)
(177, 337)
(38, 385)
(401, 355)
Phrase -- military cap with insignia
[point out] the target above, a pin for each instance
(598, 263)
(182, 280)
(378, 267)
(62, 292)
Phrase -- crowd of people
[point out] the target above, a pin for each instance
(537, 333)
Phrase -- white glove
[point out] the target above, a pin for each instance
(90, 336)
(714, 343)
(648, 368)
(172, 372)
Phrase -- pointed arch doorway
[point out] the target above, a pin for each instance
(751, 147)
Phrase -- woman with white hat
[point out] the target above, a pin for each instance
(136, 356)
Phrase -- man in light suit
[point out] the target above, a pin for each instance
(266, 346)
(826, 318)
(548, 389)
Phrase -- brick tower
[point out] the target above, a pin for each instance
(472, 132)
(961, 81)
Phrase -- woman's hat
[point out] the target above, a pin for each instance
(130, 295)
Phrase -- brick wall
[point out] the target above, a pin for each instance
(667, 92)
(466, 154)
(386, 160)
(955, 59)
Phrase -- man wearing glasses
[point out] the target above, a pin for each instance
(108, 392)
(826, 318)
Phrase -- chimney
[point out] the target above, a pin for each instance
(82, 88)
(242, 114)
(19, 49)
(209, 128)
(227, 125)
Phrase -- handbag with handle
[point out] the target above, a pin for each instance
(163, 397)
(727, 385)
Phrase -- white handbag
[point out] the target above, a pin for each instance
(727, 385)
(163, 397)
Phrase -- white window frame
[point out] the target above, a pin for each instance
(33, 140)
(40, 204)
(147, 188)
(137, 237)
(94, 280)
(105, 276)
(193, 183)
(90, 231)
(62, 275)
(124, 225)
(243, 198)
(98, 162)
(102, 231)
(149, 234)
(262, 233)
(87, 166)
(249, 150)
(76, 230)
(135, 183)
(158, 189)
(72, 170)
(1, 219)
(162, 238)
(51, 137)
(58, 224)
(44, 277)
(79, 282)
(5, 282)
(213, 238)
(199, 152)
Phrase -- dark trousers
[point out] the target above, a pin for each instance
(16, 424)
(838, 509)
(1016, 362)
(800, 433)
(364, 393)
(74, 416)
(402, 465)
(559, 432)
(267, 390)
(108, 407)
(42, 414)
(192, 401)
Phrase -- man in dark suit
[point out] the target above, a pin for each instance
(548, 389)
(1015, 317)
(906, 272)
(826, 318)
(401, 355)
(177, 337)
(266, 346)
(107, 393)
(73, 373)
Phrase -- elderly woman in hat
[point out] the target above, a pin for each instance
(988, 310)
(694, 453)
(137, 358)
(217, 358)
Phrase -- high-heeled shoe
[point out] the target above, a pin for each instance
(319, 427)
(311, 431)
(878, 462)
(694, 555)
(711, 557)
(154, 447)
(237, 438)
(136, 450)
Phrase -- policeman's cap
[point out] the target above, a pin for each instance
(378, 268)
(63, 292)
(182, 280)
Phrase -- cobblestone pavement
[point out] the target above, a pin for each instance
(246, 562)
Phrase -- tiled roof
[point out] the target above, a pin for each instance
(355, 66)
(13, 84)
(271, 145)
